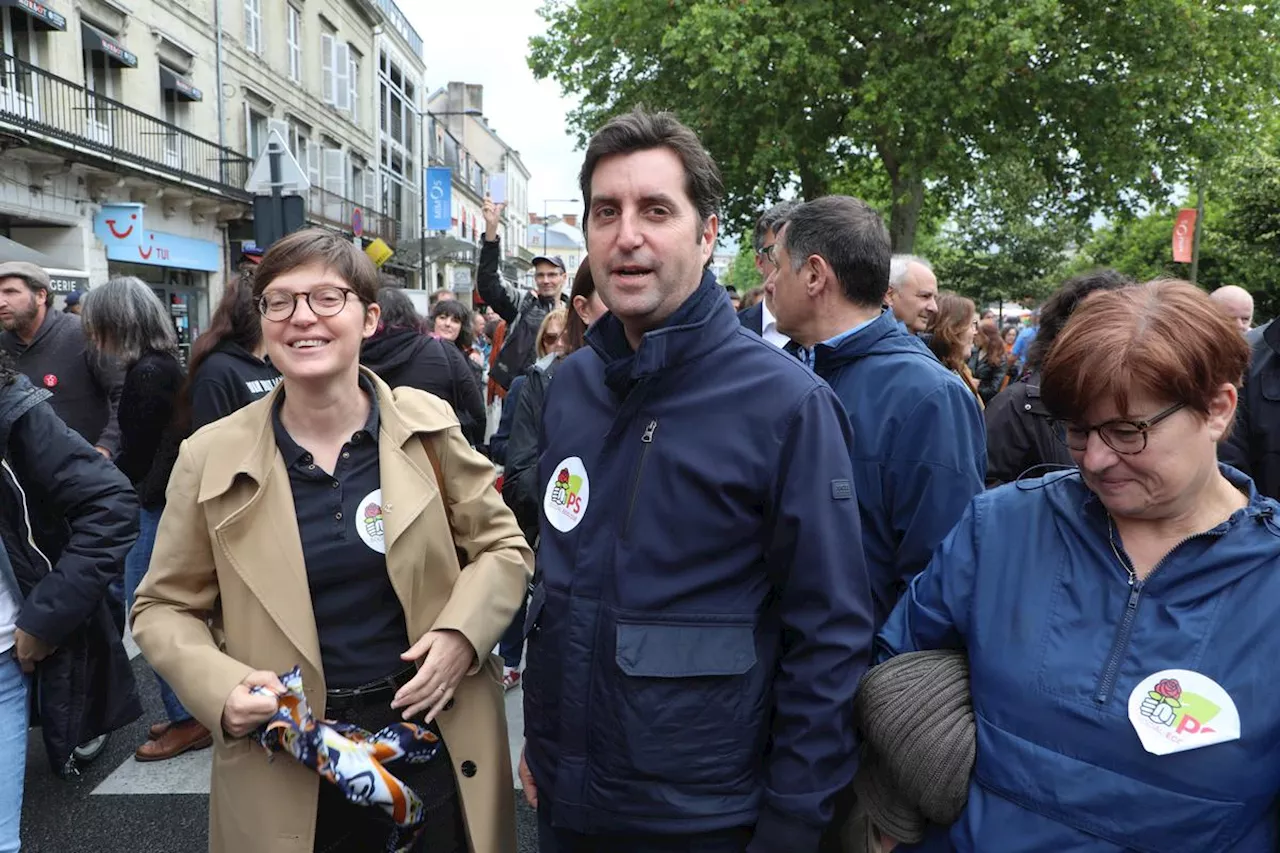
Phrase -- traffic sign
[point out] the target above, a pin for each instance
(292, 175)
(357, 222)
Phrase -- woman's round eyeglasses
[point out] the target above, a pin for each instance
(1122, 436)
(328, 301)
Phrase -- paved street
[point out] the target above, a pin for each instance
(121, 806)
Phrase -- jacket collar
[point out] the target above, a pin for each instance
(700, 325)
(16, 399)
(399, 421)
(882, 335)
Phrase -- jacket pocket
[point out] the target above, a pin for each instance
(686, 703)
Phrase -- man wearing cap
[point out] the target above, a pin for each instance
(523, 311)
(50, 349)
(73, 303)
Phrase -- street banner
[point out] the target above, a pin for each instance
(1184, 232)
(439, 199)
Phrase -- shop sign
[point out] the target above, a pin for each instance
(121, 229)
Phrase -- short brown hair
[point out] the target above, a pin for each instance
(1164, 338)
(323, 248)
(575, 330)
(640, 130)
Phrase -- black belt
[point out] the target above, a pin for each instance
(377, 692)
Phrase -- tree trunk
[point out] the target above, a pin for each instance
(908, 199)
(813, 184)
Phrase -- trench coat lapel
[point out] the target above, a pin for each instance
(259, 533)
(408, 489)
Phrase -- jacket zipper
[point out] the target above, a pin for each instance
(1125, 632)
(647, 441)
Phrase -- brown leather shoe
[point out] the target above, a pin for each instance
(177, 739)
(158, 729)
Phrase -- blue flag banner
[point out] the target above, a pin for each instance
(439, 199)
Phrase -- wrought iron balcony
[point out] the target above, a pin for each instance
(60, 114)
(333, 210)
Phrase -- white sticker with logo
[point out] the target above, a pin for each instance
(1176, 710)
(369, 521)
(567, 494)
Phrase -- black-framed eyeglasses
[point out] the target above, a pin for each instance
(1122, 436)
(328, 301)
(770, 253)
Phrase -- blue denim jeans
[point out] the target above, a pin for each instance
(511, 646)
(14, 719)
(135, 566)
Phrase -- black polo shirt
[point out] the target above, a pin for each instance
(359, 620)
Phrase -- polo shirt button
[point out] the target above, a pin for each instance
(468, 769)
(346, 455)
(336, 484)
(338, 516)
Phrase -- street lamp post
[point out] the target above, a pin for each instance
(545, 202)
(422, 183)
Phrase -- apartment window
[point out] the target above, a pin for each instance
(359, 174)
(103, 57)
(256, 127)
(295, 43)
(253, 25)
(20, 39)
(335, 62)
(353, 84)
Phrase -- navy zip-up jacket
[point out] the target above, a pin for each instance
(702, 614)
(1065, 652)
(920, 453)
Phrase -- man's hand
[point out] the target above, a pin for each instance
(103, 451)
(245, 710)
(445, 658)
(30, 650)
(491, 214)
(526, 782)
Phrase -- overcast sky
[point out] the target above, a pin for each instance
(487, 42)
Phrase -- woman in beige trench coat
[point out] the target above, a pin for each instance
(228, 599)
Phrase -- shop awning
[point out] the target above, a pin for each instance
(99, 42)
(170, 81)
(42, 16)
(12, 250)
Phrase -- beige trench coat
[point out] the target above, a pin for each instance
(228, 546)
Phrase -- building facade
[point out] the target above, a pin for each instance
(128, 133)
(460, 138)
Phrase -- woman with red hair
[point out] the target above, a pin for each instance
(1118, 619)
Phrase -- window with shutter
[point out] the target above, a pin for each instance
(253, 25)
(327, 42)
(341, 75)
(295, 44)
(313, 163)
(334, 164)
(353, 95)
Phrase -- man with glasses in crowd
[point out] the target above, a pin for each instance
(760, 318)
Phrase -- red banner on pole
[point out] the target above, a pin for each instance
(1184, 232)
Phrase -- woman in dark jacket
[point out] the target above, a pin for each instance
(402, 355)
(67, 519)
(124, 319)
(228, 368)
(519, 488)
(1019, 436)
(451, 321)
(991, 367)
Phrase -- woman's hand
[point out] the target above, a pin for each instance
(246, 710)
(445, 656)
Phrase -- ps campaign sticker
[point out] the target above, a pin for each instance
(567, 494)
(1176, 709)
(369, 522)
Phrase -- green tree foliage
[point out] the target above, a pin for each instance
(742, 273)
(914, 100)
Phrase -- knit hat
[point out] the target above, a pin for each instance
(919, 744)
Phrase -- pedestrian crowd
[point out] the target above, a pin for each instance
(844, 563)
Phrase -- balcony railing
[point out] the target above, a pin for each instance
(42, 105)
(336, 212)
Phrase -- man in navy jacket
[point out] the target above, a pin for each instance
(702, 612)
(921, 451)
